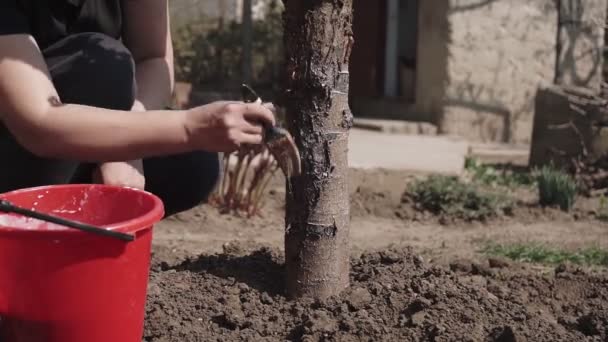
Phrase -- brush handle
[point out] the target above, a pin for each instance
(8, 207)
(249, 96)
(272, 133)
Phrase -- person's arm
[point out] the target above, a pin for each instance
(31, 109)
(152, 51)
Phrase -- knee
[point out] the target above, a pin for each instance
(195, 187)
(97, 70)
(206, 177)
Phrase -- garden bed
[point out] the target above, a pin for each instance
(394, 296)
(415, 277)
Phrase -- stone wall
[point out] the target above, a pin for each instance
(432, 54)
(580, 41)
(500, 51)
(185, 11)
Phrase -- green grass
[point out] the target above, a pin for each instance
(449, 195)
(556, 188)
(602, 213)
(537, 253)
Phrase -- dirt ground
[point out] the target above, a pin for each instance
(376, 223)
(414, 277)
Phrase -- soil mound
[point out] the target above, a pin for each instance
(394, 296)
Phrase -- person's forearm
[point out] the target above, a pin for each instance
(91, 134)
(154, 79)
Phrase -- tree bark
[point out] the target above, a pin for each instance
(318, 41)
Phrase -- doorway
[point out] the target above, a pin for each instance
(383, 65)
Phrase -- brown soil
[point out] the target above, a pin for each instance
(379, 219)
(394, 296)
(206, 287)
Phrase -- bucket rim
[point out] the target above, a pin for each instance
(133, 225)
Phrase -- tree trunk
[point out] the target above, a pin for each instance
(247, 40)
(318, 42)
(219, 74)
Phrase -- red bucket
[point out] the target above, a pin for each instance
(58, 284)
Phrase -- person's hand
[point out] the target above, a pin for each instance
(129, 174)
(225, 126)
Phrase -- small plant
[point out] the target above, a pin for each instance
(448, 195)
(556, 188)
(489, 175)
(537, 253)
(602, 213)
(246, 175)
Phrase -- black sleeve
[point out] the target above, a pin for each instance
(12, 18)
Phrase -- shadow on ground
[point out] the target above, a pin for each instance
(259, 270)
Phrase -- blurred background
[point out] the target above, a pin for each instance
(464, 68)
(480, 140)
(220, 44)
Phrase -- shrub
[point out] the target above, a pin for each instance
(489, 175)
(208, 53)
(440, 194)
(556, 188)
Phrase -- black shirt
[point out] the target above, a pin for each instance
(49, 21)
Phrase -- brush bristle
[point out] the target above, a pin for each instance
(285, 151)
(278, 140)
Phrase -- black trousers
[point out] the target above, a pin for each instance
(96, 70)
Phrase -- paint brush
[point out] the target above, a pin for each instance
(278, 140)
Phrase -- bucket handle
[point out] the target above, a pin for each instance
(3, 304)
(8, 207)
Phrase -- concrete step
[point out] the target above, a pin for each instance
(370, 149)
(396, 126)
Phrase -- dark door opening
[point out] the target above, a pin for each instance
(407, 42)
(383, 65)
